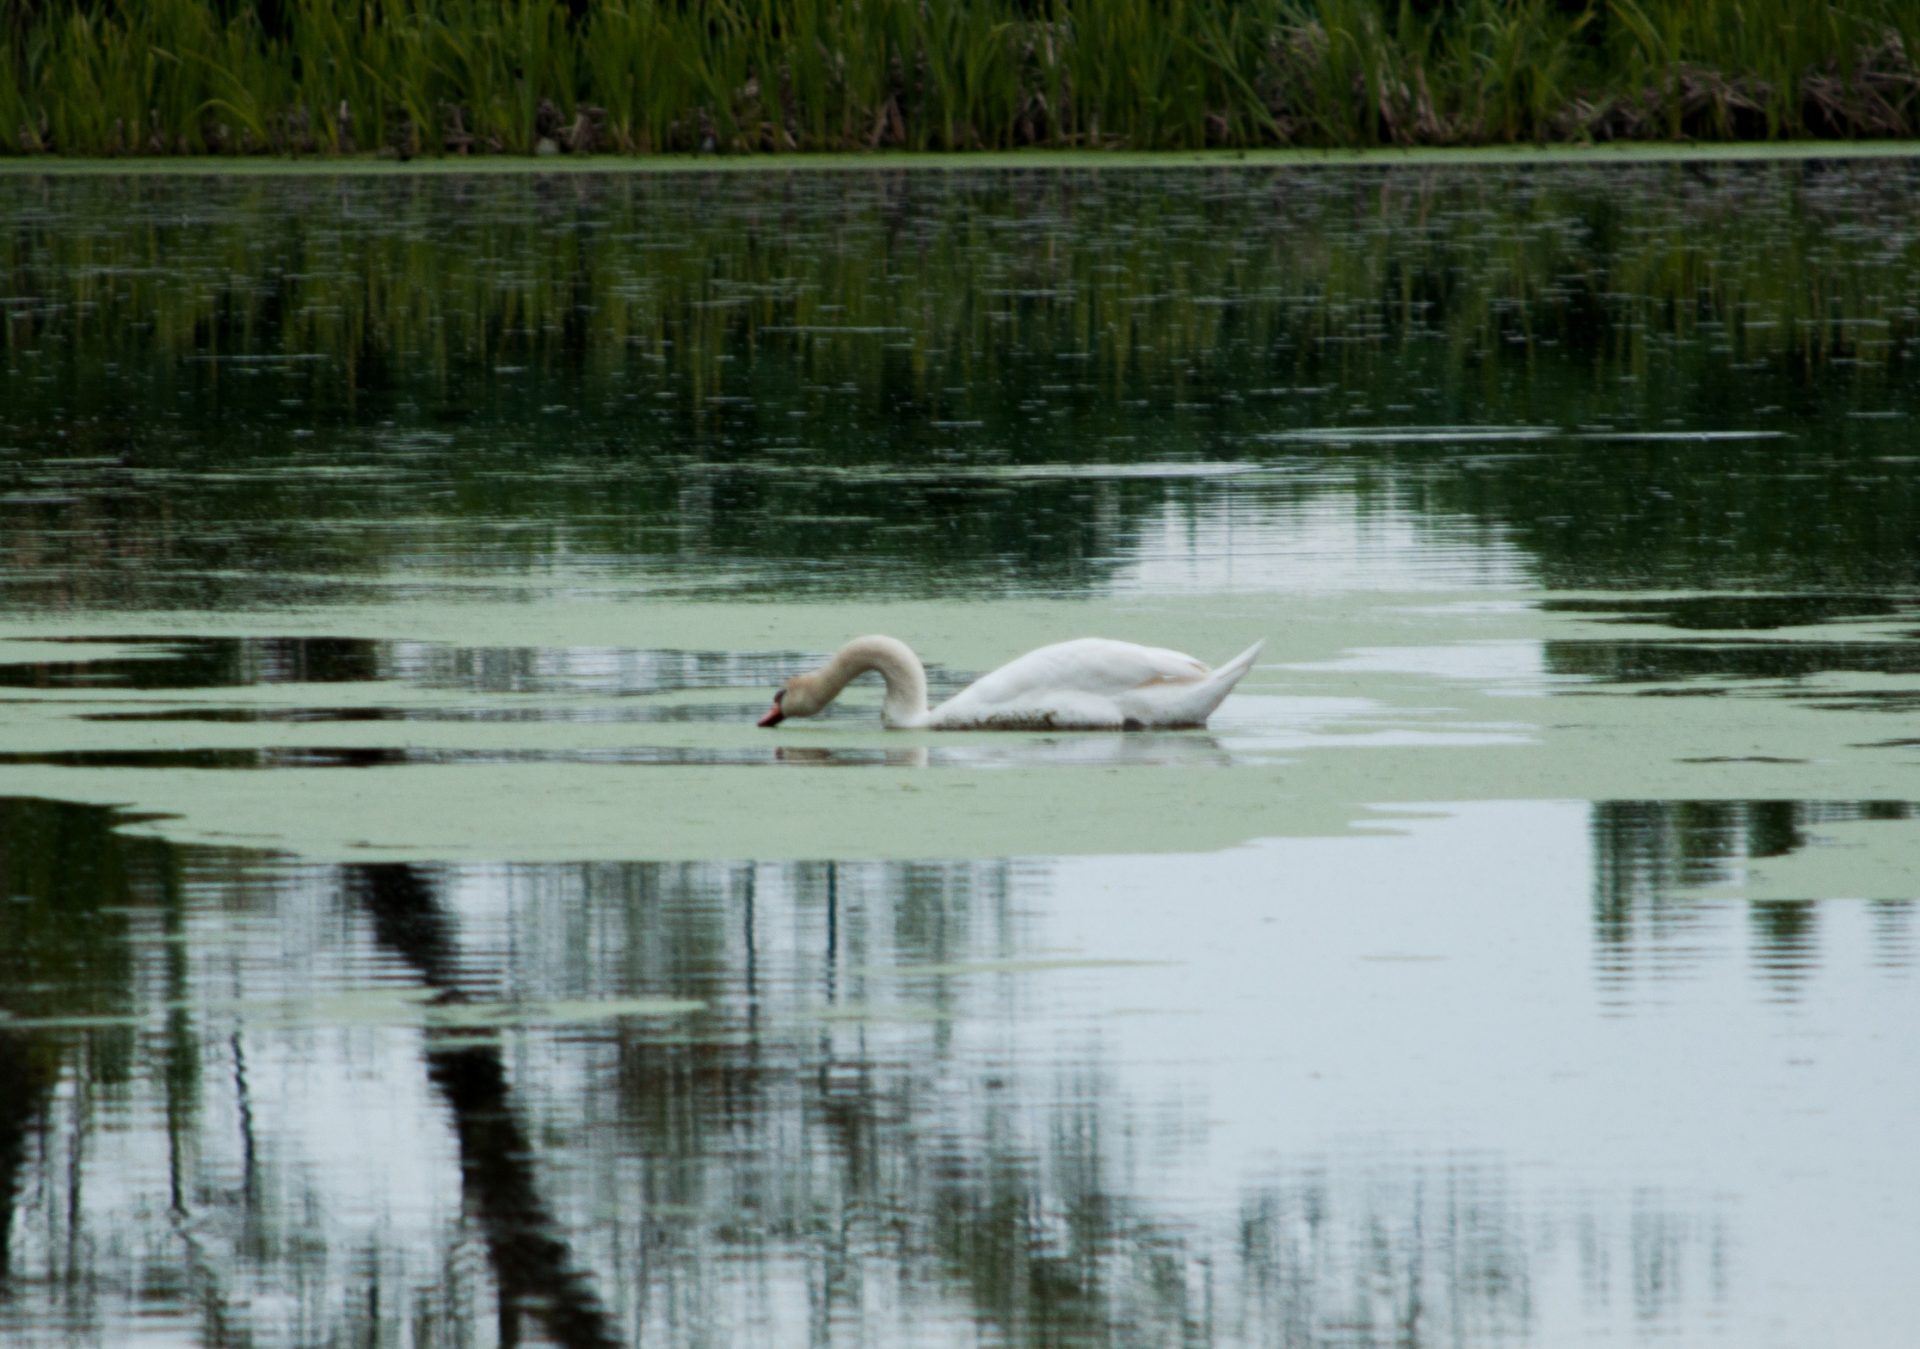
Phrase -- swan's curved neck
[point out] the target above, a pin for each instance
(894, 661)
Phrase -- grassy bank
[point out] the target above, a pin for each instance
(456, 77)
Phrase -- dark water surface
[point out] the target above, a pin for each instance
(406, 938)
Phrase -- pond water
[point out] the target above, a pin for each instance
(407, 938)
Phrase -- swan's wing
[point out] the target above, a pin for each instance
(1094, 683)
(1090, 665)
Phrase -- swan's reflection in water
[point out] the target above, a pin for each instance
(1132, 749)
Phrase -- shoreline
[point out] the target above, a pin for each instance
(372, 164)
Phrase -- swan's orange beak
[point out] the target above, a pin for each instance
(774, 716)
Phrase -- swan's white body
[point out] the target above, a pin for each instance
(1084, 685)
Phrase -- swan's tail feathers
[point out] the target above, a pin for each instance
(1212, 690)
(1232, 671)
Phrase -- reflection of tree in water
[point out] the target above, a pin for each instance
(203, 663)
(886, 1162)
(809, 1147)
(533, 1264)
(60, 954)
(68, 882)
(1646, 851)
(1447, 1253)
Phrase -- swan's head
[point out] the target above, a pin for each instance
(800, 696)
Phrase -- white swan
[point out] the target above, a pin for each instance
(1091, 684)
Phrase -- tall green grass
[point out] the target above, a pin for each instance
(636, 76)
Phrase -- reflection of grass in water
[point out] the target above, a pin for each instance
(744, 361)
(178, 76)
(651, 286)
